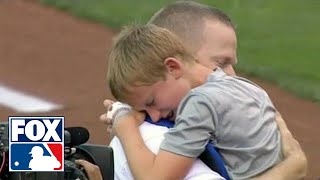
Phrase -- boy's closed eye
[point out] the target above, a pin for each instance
(150, 102)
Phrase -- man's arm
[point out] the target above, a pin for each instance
(143, 163)
(294, 165)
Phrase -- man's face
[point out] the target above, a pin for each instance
(219, 47)
(161, 99)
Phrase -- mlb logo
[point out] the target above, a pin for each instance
(36, 144)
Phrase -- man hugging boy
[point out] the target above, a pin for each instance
(150, 70)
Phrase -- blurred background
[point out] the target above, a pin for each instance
(278, 40)
(56, 50)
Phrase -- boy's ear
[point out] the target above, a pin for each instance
(174, 66)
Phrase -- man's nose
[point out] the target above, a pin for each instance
(154, 114)
(229, 70)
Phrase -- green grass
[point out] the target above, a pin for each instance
(113, 13)
(278, 40)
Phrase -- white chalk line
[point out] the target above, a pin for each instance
(24, 103)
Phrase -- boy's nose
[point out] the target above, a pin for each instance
(154, 114)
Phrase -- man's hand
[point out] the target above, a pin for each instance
(290, 146)
(294, 166)
(93, 171)
(291, 149)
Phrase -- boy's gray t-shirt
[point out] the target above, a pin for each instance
(235, 115)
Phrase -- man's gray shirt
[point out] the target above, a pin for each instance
(235, 115)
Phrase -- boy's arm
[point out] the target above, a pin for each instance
(143, 163)
(294, 165)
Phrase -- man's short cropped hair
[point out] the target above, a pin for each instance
(186, 19)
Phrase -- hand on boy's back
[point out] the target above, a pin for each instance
(290, 146)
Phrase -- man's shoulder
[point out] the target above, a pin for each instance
(148, 132)
(152, 136)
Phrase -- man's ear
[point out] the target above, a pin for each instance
(173, 66)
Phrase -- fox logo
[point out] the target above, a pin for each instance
(36, 143)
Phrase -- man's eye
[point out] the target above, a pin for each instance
(224, 62)
(219, 63)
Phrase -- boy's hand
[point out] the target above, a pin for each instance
(114, 110)
(104, 117)
(124, 117)
(117, 112)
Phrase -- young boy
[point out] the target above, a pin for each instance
(152, 71)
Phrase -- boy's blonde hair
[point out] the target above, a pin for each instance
(137, 58)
